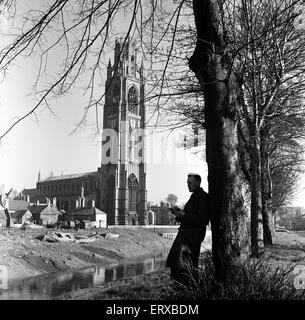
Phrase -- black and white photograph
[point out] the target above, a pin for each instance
(152, 152)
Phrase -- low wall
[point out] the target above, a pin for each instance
(142, 226)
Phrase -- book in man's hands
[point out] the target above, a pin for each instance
(175, 210)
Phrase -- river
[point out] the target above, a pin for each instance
(50, 286)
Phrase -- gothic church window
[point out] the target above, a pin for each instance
(132, 65)
(133, 192)
(133, 100)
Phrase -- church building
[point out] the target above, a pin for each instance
(123, 192)
(118, 186)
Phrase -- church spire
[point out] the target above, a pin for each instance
(39, 176)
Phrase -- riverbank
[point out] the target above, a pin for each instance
(24, 255)
(288, 249)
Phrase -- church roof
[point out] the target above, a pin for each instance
(86, 211)
(50, 210)
(17, 207)
(37, 208)
(44, 209)
(30, 192)
(18, 214)
(14, 205)
(70, 176)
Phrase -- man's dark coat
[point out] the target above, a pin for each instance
(192, 229)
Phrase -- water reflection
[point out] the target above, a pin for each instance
(53, 285)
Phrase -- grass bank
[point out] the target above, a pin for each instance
(270, 277)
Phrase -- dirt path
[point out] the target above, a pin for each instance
(25, 256)
(288, 248)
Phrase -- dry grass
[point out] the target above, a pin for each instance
(250, 280)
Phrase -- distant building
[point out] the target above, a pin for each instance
(123, 192)
(292, 218)
(16, 209)
(68, 188)
(118, 187)
(151, 216)
(298, 223)
(20, 217)
(30, 195)
(44, 213)
(93, 215)
(162, 215)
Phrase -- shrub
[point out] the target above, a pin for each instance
(248, 280)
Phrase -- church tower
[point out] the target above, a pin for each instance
(123, 194)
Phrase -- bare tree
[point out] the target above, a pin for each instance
(212, 66)
(286, 156)
(6, 210)
(270, 67)
(268, 61)
(171, 199)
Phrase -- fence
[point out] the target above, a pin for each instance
(170, 236)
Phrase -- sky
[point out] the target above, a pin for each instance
(45, 143)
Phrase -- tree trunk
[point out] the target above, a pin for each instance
(274, 215)
(267, 221)
(257, 241)
(211, 67)
(266, 185)
(8, 218)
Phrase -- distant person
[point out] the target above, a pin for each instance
(193, 221)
